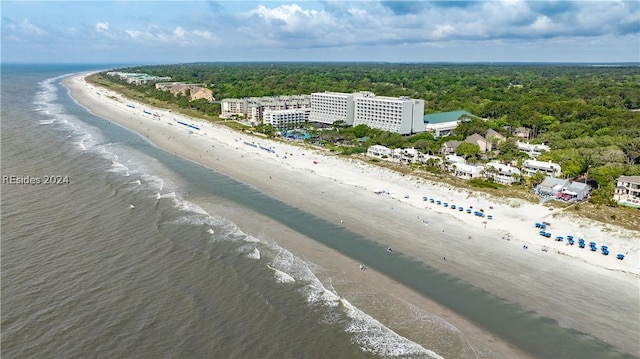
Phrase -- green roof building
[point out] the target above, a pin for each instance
(442, 123)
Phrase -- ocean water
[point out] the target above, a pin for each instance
(113, 260)
(119, 258)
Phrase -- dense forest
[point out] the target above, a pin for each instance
(584, 112)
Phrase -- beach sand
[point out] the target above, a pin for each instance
(582, 290)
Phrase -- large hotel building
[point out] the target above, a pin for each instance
(394, 114)
(401, 115)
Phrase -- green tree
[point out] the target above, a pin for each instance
(537, 178)
(339, 124)
(605, 175)
(360, 130)
(468, 150)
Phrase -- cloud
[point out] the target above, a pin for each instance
(102, 26)
(324, 28)
(25, 27)
(157, 36)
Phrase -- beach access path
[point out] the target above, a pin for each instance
(388, 207)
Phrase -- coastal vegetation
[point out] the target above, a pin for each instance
(587, 114)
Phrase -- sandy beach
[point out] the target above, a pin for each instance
(579, 288)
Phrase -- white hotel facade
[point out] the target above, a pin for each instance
(329, 107)
(283, 119)
(394, 114)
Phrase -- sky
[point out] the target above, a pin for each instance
(164, 32)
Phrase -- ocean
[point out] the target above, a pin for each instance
(114, 248)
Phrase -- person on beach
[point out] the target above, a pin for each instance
(389, 250)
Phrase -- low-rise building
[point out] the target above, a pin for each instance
(465, 171)
(530, 167)
(522, 132)
(551, 186)
(378, 151)
(449, 147)
(482, 142)
(406, 155)
(196, 91)
(501, 173)
(442, 124)
(533, 150)
(494, 137)
(628, 191)
(577, 191)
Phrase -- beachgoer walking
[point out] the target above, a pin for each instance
(389, 250)
(444, 258)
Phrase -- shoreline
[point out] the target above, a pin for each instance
(347, 191)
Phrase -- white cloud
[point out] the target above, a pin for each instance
(541, 24)
(102, 26)
(27, 28)
(154, 35)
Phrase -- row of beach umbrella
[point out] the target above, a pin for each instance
(581, 243)
(459, 208)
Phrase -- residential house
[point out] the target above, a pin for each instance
(378, 151)
(532, 150)
(449, 147)
(196, 91)
(628, 190)
(577, 190)
(501, 173)
(482, 142)
(453, 159)
(522, 132)
(405, 155)
(494, 137)
(465, 171)
(530, 167)
(551, 186)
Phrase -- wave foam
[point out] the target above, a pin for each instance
(372, 336)
(281, 277)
